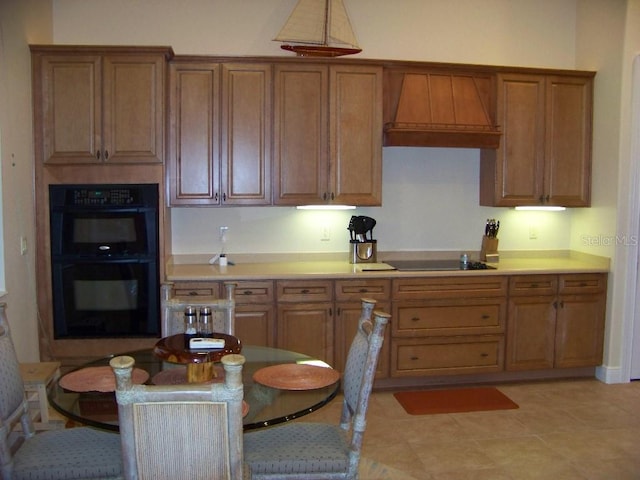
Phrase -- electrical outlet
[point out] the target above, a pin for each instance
(223, 233)
(23, 245)
(325, 234)
(533, 232)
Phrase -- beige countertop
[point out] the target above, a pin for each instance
(319, 266)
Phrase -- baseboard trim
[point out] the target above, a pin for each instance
(610, 374)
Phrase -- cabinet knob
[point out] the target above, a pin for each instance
(98, 154)
(106, 154)
(224, 197)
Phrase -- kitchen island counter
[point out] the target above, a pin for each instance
(252, 267)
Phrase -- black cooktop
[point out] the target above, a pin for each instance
(434, 265)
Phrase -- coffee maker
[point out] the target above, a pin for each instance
(362, 247)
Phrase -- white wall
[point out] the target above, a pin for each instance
(21, 23)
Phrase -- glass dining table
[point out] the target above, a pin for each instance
(266, 403)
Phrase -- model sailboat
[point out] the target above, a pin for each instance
(319, 28)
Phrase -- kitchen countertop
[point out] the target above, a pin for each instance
(319, 266)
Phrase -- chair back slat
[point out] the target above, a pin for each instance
(204, 449)
(11, 385)
(188, 432)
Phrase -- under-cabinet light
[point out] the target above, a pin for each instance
(326, 207)
(548, 209)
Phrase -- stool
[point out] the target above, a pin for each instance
(37, 377)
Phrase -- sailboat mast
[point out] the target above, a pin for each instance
(326, 21)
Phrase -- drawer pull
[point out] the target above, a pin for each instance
(533, 285)
(485, 316)
(415, 319)
(247, 292)
(304, 291)
(484, 355)
(363, 290)
(193, 293)
(415, 358)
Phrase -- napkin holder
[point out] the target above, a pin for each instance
(489, 249)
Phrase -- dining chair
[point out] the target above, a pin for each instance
(306, 451)
(64, 454)
(181, 432)
(172, 316)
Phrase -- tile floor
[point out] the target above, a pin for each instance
(563, 430)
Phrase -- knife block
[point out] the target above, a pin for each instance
(489, 246)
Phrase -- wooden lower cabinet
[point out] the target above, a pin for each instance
(447, 355)
(556, 321)
(307, 328)
(448, 325)
(439, 326)
(305, 318)
(255, 313)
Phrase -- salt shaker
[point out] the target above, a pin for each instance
(190, 321)
(464, 261)
(205, 326)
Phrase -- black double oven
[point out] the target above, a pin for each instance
(104, 260)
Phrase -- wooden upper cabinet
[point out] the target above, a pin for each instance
(193, 167)
(96, 105)
(544, 156)
(327, 134)
(246, 134)
(219, 134)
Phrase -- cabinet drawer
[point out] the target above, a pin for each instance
(304, 291)
(448, 287)
(196, 289)
(354, 290)
(254, 292)
(450, 317)
(582, 283)
(447, 355)
(533, 285)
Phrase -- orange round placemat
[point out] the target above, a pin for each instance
(97, 379)
(292, 376)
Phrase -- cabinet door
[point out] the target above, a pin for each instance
(255, 325)
(567, 175)
(301, 170)
(71, 108)
(246, 134)
(355, 135)
(133, 116)
(307, 328)
(512, 175)
(347, 318)
(580, 330)
(193, 168)
(531, 331)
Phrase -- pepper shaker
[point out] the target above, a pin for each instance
(205, 326)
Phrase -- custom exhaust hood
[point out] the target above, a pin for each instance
(440, 109)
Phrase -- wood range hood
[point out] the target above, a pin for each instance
(440, 109)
